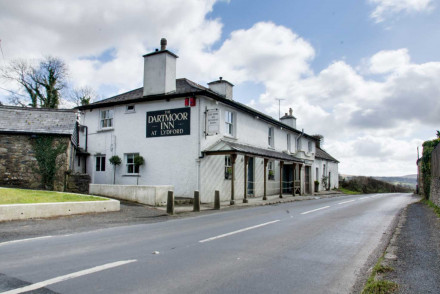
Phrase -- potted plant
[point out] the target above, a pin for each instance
(138, 161)
(316, 186)
(228, 173)
(115, 161)
(271, 175)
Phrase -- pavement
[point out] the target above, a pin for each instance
(414, 252)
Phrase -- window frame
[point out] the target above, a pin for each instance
(271, 137)
(101, 163)
(271, 167)
(230, 124)
(310, 146)
(228, 164)
(135, 169)
(103, 120)
(130, 110)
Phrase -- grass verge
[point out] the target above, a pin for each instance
(374, 286)
(432, 205)
(348, 192)
(22, 196)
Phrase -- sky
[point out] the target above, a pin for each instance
(364, 74)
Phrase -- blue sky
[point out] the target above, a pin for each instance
(365, 74)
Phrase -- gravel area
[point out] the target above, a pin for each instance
(417, 267)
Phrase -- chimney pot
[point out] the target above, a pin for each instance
(286, 113)
(163, 44)
(290, 111)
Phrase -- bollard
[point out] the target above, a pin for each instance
(170, 202)
(196, 201)
(217, 200)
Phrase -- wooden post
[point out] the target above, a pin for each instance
(196, 206)
(246, 160)
(170, 202)
(233, 158)
(300, 180)
(281, 178)
(217, 200)
(293, 179)
(265, 178)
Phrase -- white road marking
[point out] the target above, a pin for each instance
(238, 231)
(315, 210)
(24, 240)
(346, 201)
(363, 198)
(68, 277)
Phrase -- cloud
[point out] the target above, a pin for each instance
(388, 61)
(387, 8)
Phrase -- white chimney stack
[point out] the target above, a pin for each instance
(222, 87)
(160, 71)
(289, 119)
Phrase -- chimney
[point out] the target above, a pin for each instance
(222, 87)
(319, 140)
(289, 119)
(160, 71)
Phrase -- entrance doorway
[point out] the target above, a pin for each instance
(307, 180)
(287, 179)
(250, 179)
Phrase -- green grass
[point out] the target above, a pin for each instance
(432, 205)
(349, 192)
(21, 196)
(374, 286)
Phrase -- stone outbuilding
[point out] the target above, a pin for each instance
(19, 129)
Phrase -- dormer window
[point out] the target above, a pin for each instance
(106, 119)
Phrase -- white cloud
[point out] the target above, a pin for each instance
(387, 8)
(368, 125)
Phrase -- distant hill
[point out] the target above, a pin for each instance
(373, 185)
(407, 181)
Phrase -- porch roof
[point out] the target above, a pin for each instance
(227, 147)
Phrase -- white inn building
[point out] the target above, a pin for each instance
(198, 138)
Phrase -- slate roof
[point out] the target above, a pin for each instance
(320, 153)
(223, 146)
(185, 87)
(37, 120)
(182, 86)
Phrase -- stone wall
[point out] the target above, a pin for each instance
(435, 176)
(18, 163)
(78, 183)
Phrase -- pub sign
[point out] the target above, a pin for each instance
(170, 122)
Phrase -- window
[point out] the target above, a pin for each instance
(229, 123)
(271, 173)
(129, 163)
(288, 142)
(310, 146)
(270, 137)
(317, 174)
(106, 118)
(129, 108)
(100, 163)
(323, 170)
(228, 167)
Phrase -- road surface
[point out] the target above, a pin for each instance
(317, 246)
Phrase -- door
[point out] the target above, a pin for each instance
(307, 180)
(250, 172)
(100, 166)
(287, 179)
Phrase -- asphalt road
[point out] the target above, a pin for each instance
(316, 246)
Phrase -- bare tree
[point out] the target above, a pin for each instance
(83, 96)
(42, 84)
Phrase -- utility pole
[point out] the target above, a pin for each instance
(279, 106)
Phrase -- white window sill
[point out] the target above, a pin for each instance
(128, 112)
(106, 130)
(131, 175)
(270, 147)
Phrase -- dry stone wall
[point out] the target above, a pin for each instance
(435, 176)
(18, 163)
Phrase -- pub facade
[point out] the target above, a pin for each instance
(198, 138)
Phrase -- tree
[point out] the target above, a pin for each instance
(138, 161)
(115, 161)
(42, 84)
(83, 96)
